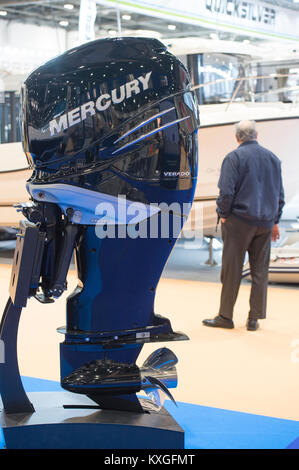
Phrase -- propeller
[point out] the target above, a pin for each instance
(158, 374)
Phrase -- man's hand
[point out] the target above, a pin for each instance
(275, 233)
(223, 220)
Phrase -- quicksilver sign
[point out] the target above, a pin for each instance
(103, 102)
(242, 9)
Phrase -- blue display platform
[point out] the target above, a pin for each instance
(212, 428)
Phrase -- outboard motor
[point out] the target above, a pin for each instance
(110, 131)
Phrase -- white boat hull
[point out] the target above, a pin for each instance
(281, 135)
(279, 272)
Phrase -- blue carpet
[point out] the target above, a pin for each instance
(212, 428)
(1, 439)
(294, 444)
(32, 384)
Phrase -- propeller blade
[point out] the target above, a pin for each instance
(162, 359)
(157, 383)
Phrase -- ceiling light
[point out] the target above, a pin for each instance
(3, 13)
(63, 23)
(68, 6)
(172, 27)
(126, 17)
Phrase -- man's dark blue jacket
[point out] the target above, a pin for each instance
(251, 185)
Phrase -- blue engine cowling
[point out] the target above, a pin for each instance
(113, 117)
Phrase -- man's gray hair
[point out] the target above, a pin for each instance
(245, 130)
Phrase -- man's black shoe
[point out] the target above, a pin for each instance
(252, 325)
(219, 322)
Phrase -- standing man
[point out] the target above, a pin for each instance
(249, 206)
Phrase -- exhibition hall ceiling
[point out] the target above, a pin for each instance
(65, 14)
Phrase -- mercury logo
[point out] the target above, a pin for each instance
(102, 103)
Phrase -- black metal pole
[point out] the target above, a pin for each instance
(14, 397)
(13, 114)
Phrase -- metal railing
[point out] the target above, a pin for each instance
(9, 117)
(250, 93)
